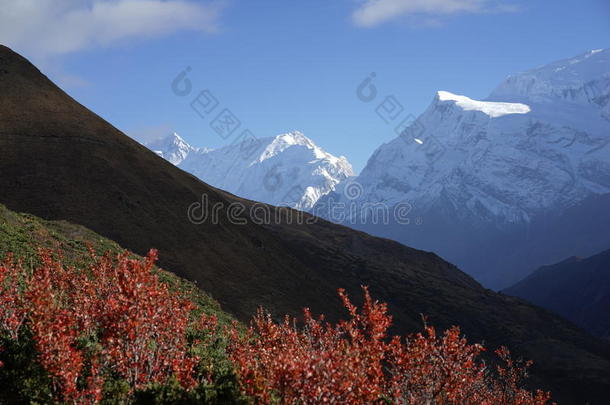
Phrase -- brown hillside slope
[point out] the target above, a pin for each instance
(59, 160)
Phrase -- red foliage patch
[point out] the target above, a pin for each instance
(114, 318)
(355, 362)
(12, 306)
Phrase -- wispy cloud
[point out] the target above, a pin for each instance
(375, 12)
(55, 27)
(149, 133)
(68, 81)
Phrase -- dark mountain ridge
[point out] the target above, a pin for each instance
(60, 161)
(576, 288)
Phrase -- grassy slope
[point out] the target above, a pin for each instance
(23, 234)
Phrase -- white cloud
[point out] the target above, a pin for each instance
(67, 81)
(149, 133)
(375, 12)
(55, 27)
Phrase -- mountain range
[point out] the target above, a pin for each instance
(62, 162)
(288, 169)
(493, 177)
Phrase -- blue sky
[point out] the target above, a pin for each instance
(286, 65)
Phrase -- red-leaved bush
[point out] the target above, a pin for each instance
(114, 319)
(355, 362)
(12, 308)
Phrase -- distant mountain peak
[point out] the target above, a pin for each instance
(294, 138)
(172, 148)
(281, 142)
(286, 169)
(580, 79)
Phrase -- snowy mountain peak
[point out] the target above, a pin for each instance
(464, 172)
(282, 142)
(294, 138)
(287, 169)
(491, 108)
(177, 137)
(581, 79)
(172, 148)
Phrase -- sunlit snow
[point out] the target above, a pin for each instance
(491, 108)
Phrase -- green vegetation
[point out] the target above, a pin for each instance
(24, 234)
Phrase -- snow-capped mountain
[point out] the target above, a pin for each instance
(584, 79)
(288, 169)
(538, 146)
(172, 148)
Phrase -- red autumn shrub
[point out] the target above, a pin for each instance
(117, 321)
(12, 308)
(114, 319)
(355, 362)
(320, 363)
